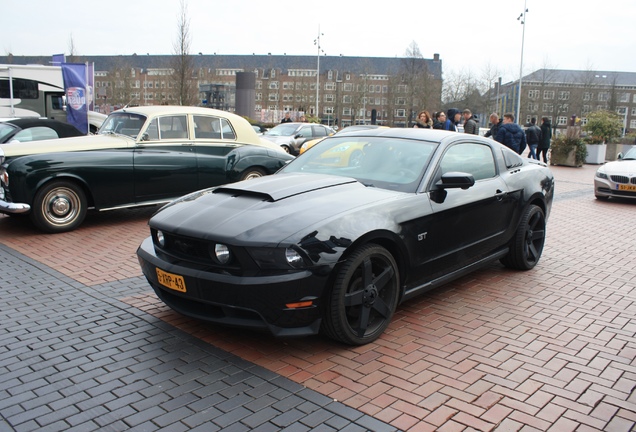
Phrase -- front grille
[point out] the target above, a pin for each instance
(620, 179)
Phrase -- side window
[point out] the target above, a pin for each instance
(35, 134)
(206, 127)
(173, 127)
(475, 159)
(319, 131)
(228, 132)
(305, 132)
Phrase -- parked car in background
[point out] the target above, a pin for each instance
(141, 156)
(353, 128)
(617, 179)
(259, 129)
(335, 248)
(290, 136)
(35, 129)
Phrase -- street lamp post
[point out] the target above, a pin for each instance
(317, 43)
(521, 18)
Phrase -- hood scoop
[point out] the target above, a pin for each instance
(280, 186)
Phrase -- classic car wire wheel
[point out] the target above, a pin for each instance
(59, 206)
(364, 296)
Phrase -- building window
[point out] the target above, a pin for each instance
(586, 109)
(564, 95)
(634, 111)
(400, 112)
(273, 85)
(562, 120)
(533, 106)
(327, 110)
(330, 75)
(632, 124)
(603, 96)
(347, 86)
(547, 107)
(548, 94)
(346, 111)
(587, 96)
(330, 86)
(624, 97)
(330, 98)
(533, 94)
(347, 99)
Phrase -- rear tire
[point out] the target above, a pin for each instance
(252, 173)
(363, 298)
(527, 244)
(59, 206)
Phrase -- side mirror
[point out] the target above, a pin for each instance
(620, 156)
(454, 180)
(451, 180)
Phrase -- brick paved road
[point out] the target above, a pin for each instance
(85, 345)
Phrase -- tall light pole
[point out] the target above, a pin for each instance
(521, 18)
(317, 43)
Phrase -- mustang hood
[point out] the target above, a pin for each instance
(266, 210)
(88, 142)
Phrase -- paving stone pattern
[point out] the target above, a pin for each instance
(85, 344)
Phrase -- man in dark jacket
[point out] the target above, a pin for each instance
(511, 135)
(470, 124)
(495, 122)
(546, 137)
(453, 116)
(533, 137)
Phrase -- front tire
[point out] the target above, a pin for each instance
(59, 206)
(527, 244)
(364, 296)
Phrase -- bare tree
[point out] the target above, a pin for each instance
(419, 81)
(72, 50)
(183, 79)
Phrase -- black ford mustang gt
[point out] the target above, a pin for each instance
(341, 235)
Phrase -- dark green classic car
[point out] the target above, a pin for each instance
(141, 156)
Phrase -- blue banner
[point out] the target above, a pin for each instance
(76, 95)
(58, 59)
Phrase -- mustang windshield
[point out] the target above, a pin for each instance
(388, 163)
(123, 124)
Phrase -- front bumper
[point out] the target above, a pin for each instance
(11, 208)
(257, 303)
(608, 188)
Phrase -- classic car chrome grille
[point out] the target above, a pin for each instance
(619, 179)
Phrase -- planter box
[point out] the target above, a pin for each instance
(596, 154)
(568, 160)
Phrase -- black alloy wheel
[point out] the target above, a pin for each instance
(364, 296)
(527, 244)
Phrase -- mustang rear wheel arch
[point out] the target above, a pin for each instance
(527, 244)
(364, 296)
(59, 206)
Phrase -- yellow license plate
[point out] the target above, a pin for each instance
(171, 280)
(627, 187)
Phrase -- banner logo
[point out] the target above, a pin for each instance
(75, 97)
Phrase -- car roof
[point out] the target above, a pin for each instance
(58, 126)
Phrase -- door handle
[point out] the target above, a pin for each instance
(500, 194)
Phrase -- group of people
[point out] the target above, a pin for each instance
(503, 130)
(510, 134)
(449, 122)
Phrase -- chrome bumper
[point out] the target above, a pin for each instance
(13, 208)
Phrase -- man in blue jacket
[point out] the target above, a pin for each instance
(511, 134)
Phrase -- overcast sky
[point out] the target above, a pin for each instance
(469, 36)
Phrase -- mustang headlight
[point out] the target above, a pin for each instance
(222, 253)
(277, 258)
(161, 239)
